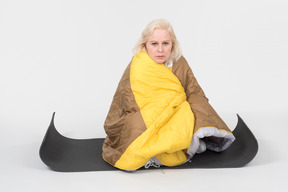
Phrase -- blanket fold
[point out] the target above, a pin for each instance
(160, 114)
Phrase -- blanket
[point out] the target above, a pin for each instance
(160, 114)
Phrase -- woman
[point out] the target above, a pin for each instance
(159, 115)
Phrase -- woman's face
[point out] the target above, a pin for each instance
(159, 45)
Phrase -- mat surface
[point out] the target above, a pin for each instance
(74, 155)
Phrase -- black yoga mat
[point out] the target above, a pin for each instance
(74, 155)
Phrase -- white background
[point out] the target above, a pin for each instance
(68, 57)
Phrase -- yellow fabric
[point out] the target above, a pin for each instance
(165, 111)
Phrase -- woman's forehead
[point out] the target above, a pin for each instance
(159, 35)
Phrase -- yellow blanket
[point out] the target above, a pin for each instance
(150, 117)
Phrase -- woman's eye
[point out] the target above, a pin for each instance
(165, 43)
(154, 44)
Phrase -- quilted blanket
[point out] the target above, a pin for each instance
(160, 114)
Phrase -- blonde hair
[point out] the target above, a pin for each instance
(176, 52)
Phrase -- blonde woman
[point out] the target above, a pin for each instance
(159, 115)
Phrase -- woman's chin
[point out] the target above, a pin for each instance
(160, 61)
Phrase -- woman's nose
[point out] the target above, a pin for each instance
(160, 49)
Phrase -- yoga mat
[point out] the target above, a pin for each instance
(64, 154)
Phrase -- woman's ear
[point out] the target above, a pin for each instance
(144, 47)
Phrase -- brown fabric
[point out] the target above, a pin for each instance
(123, 123)
(204, 114)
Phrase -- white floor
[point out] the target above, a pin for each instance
(22, 169)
